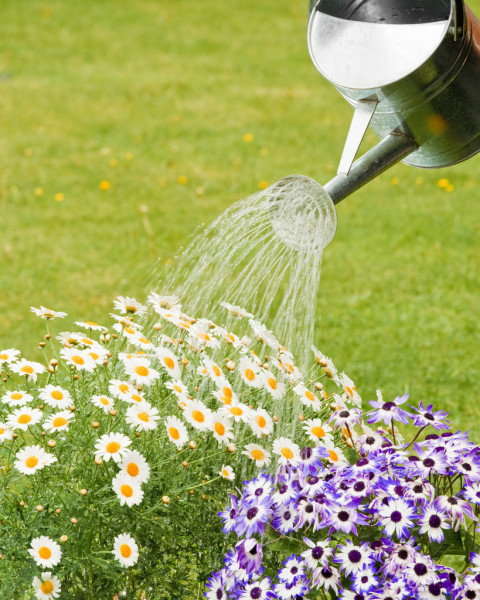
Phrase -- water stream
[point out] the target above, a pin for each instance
(264, 253)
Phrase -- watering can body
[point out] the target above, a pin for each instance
(411, 69)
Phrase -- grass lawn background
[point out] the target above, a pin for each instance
(155, 98)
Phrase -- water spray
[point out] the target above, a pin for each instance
(411, 70)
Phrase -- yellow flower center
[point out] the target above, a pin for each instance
(229, 338)
(94, 355)
(31, 462)
(24, 419)
(3, 356)
(47, 587)
(169, 362)
(272, 383)
(78, 360)
(260, 420)
(236, 411)
(125, 550)
(87, 341)
(333, 455)
(257, 454)
(16, 396)
(123, 387)
(142, 371)
(59, 422)
(177, 389)
(57, 395)
(112, 447)
(225, 473)
(318, 431)
(249, 374)
(2, 430)
(132, 469)
(91, 323)
(104, 401)
(219, 428)
(144, 340)
(287, 452)
(126, 490)
(44, 552)
(129, 330)
(136, 398)
(198, 416)
(216, 370)
(144, 416)
(309, 395)
(27, 369)
(227, 392)
(174, 433)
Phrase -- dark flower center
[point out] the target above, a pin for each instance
(343, 486)
(359, 597)
(287, 515)
(326, 573)
(364, 579)
(429, 462)
(309, 508)
(344, 414)
(232, 513)
(361, 462)
(219, 594)
(312, 480)
(370, 440)
(398, 489)
(306, 453)
(317, 552)
(434, 521)
(253, 550)
(388, 405)
(359, 486)
(471, 595)
(258, 491)
(432, 436)
(402, 554)
(467, 466)
(420, 569)
(354, 556)
(429, 416)
(255, 593)
(452, 500)
(252, 512)
(283, 488)
(396, 516)
(418, 489)
(294, 570)
(343, 516)
(435, 589)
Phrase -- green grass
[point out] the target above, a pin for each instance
(168, 89)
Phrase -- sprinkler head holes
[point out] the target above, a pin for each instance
(301, 213)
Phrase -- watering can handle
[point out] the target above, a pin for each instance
(459, 19)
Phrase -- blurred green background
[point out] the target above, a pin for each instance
(125, 125)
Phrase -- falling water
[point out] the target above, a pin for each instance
(264, 253)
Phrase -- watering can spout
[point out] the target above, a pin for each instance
(392, 149)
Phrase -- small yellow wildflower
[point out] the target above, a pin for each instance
(59, 197)
(443, 182)
(248, 137)
(182, 180)
(449, 188)
(395, 181)
(38, 191)
(105, 185)
(263, 184)
(112, 162)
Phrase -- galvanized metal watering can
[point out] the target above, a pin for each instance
(411, 69)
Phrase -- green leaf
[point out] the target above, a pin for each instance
(451, 545)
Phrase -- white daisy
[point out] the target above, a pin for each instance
(135, 466)
(225, 394)
(46, 586)
(17, 398)
(55, 396)
(5, 432)
(317, 431)
(127, 305)
(176, 430)
(288, 451)
(80, 359)
(31, 459)
(236, 311)
(260, 422)
(47, 313)
(142, 342)
(8, 356)
(127, 489)
(250, 372)
(335, 455)
(112, 446)
(169, 362)
(136, 397)
(28, 368)
(103, 402)
(90, 325)
(121, 389)
(263, 334)
(272, 385)
(258, 454)
(125, 550)
(214, 371)
(221, 427)
(164, 302)
(178, 388)
(142, 417)
(45, 552)
(197, 414)
(98, 354)
(237, 411)
(58, 421)
(307, 397)
(227, 472)
(140, 371)
(24, 417)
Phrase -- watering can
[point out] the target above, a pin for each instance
(411, 69)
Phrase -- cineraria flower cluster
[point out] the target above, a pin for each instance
(373, 527)
(121, 432)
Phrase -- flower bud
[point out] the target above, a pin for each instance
(83, 492)
(192, 445)
(73, 520)
(185, 464)
(39, 507)
(64, 538)
(95, 424)
(52, 443)
(165, 500)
